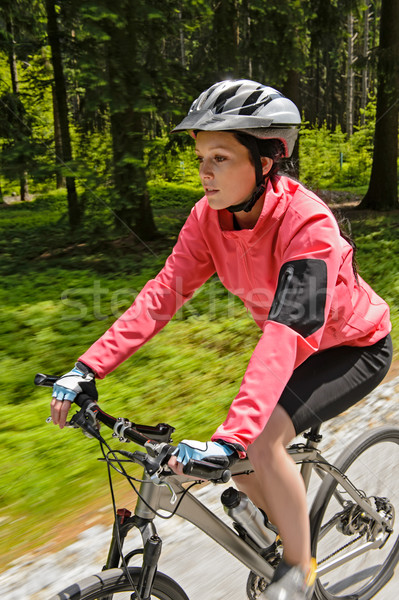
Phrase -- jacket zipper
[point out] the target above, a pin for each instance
(244, 256)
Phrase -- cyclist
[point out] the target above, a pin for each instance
(325, 339)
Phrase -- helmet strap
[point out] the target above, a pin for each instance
(248, 205)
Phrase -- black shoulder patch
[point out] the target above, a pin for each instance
(300, 297)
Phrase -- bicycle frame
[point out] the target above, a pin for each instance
(169, 494)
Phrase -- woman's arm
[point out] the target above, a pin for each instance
(186, 269)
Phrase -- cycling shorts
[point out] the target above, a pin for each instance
(331, 381)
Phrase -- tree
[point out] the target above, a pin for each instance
(365, 55)
(18, 138)
(18, 149)
(125, 88)
(350, 77)
(382, 193)
(74, 211)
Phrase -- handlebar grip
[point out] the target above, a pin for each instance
(206, 470)
(49, 381)
(46, 380)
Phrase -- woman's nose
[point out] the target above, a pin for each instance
(206, 169)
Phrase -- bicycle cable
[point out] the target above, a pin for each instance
(130, 480)
(118, 537)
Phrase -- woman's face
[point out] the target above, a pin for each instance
(226, 171)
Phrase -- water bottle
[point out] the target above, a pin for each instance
(240, 508)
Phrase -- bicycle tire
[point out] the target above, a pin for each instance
(115, 584)
(372, 464)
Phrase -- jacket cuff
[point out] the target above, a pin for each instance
(84, 368)
(238, 448)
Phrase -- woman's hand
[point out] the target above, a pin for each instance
(66, 388)
(59, 411)
(217, 453)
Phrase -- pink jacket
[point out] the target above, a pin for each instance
(293, 271)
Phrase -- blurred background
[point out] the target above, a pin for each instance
(93, 192)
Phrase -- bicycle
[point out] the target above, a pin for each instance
(355, 539)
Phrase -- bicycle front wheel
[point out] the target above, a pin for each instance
(356, 555)
(114, 584)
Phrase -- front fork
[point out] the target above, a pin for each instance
(151, 551)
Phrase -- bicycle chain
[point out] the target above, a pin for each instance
(320, 562)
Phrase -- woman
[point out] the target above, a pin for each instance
(325, 341)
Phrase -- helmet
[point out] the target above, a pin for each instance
(246, 106)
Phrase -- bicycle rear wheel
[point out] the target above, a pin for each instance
(340, 528)
(116, 585)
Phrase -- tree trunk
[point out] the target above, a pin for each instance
(225, 30)
(182, 43)
(382, 193)
(23, 181)
(317, 89)
(74, 211)
(60, 179)
(375, 13)
(333, 96)
(365, 70)
(12, 57)
(132, 206)
(350, 77)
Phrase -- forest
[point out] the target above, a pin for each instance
(90, 90)
(94, 190)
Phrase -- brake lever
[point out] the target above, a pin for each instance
(67, 424)
(153, 463)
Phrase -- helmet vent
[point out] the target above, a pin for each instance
(224, 96)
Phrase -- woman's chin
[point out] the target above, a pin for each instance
(217, 203)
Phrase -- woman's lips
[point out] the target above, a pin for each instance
(210, 191)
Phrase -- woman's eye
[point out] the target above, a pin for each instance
(199, 159)
(220, 158)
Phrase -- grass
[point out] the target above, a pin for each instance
(58, 295)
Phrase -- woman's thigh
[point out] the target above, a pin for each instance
(331, 381)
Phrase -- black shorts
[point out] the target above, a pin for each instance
(331, 381)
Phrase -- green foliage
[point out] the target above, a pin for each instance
(171, 194)
(172, 158)
(329, 159)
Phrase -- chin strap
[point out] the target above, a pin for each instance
(248, 205)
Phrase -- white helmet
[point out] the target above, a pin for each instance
(246, 106)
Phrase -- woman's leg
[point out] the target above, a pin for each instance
(325, 385)
(276, 486)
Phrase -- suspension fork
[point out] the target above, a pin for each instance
(124, 522)
(151, 551)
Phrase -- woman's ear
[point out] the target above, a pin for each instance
(267, 164)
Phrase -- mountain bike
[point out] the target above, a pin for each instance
(355, 537)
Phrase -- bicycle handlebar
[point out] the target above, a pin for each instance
(154, 438)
